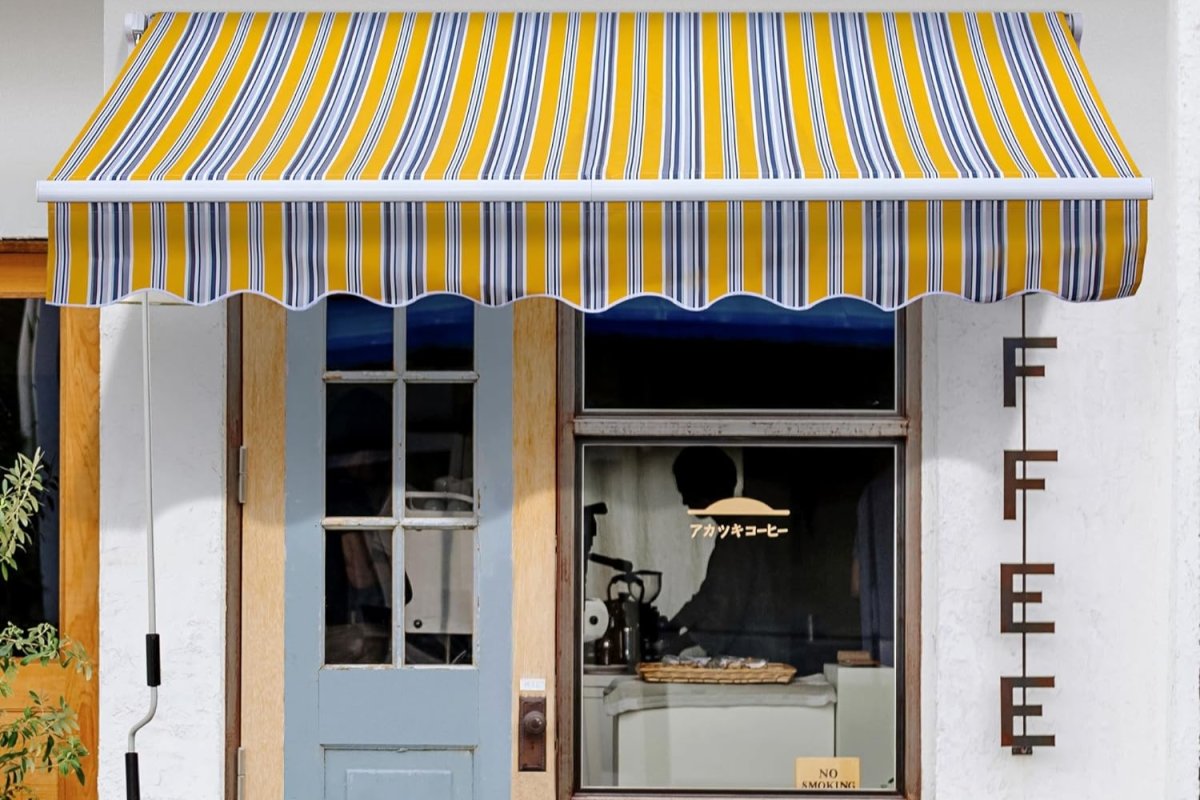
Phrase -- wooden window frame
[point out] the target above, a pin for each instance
(905, 425)
(23, 276)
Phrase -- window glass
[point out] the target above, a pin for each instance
(438, 449)
(440, 334)
(358, 450)
(28, 420)
(439, 611)
(437, 414)
(358, 597)
(358, 335)
(741, 354)
(713, 570)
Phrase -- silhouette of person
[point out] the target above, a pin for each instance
(750, 602)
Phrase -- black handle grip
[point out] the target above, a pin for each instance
(133, 783)
(619, 564)
(153, 664)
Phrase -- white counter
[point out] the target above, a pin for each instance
(639, 735)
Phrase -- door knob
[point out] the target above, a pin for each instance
(534, 723)
(531, 734)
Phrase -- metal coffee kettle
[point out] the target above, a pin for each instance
(624, 635)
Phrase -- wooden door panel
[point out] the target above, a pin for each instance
(379, 775)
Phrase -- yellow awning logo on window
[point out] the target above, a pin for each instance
(745, 509)
(739, 507)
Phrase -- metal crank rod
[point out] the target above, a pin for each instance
(133, 788)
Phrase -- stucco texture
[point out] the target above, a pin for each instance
(1118, 514)
(182, 751)
(50, 80)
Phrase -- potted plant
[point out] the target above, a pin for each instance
(44, 735)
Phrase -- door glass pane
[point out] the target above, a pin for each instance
(438, 456)
(737, 564)
(358, 450)
(29, 420)
(439, 610)
(741, 354)
(440, 334)
(358, 335)
(358, 597)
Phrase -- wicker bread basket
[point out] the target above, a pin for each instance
(682, 673)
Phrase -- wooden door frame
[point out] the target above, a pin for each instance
(23, 275)
(536, 485)
(261, 646)
(233, 545)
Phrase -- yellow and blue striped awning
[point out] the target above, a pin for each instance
(597, 156)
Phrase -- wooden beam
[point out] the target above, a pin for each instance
(534, 520)
(264, 381)
(233, 545)
(79, 521)
(22, 268)
(566, 563)
(911, 568)
(28, 246)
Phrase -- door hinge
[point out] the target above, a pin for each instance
(241, 475)
(241, 773)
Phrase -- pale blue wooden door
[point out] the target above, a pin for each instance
(398, 625)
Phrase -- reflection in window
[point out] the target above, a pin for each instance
(732, 557)
(439, 613)
(358, 597)
(358, 450)
(742, 353)
(28, 420)
(358, 335)
(440, 334)
(438, 455)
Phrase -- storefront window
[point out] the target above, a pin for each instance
(739, 623)
(742, 354)
(29, 413)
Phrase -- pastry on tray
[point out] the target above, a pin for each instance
(720, 662)
(721, 669)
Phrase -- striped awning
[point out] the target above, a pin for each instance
(598, 156)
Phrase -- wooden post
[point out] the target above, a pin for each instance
(263, 414)
(534, 520)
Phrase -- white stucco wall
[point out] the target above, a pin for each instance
(50, 80)
(1183, 725)
(1118, 516)
(182, 751)
(1120, 401)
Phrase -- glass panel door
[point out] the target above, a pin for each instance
(399, 432)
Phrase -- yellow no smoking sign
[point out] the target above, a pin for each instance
(827, 773)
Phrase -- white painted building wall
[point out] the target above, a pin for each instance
(50, 80)
(1120, 517)
(182, 751)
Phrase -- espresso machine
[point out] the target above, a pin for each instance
(633, 631)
